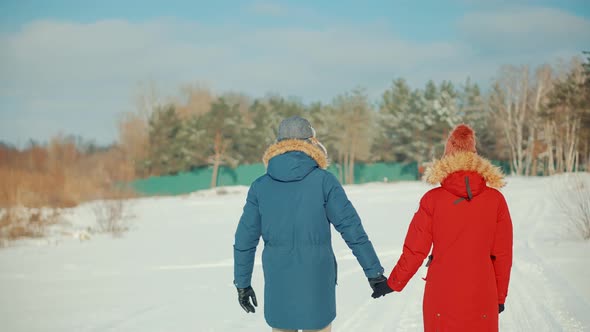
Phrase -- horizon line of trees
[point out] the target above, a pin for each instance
(537, 119)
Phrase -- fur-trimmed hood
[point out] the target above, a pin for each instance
(293, 160)
(315, 152)
(464, 161)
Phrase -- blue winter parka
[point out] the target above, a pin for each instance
(292, 207)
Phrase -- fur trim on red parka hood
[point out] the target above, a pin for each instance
(464, 161)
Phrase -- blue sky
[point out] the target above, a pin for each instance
(74, 67)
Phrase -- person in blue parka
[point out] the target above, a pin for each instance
(292, 207)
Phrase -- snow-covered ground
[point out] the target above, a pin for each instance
(173, 270)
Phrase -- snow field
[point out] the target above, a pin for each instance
(173, 270)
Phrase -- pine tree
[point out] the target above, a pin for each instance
(193, 137)
(285, 108)
(422, 120)
(394, 124)
(473, 111)
(414, 124)
(447, 110)
(259, 134)
(165, 149)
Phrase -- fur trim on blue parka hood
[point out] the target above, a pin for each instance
(292, 160)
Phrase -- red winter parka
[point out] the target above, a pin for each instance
(467, 224)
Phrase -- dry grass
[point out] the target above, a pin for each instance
(17, 223)
(35, 189)
(59, 175)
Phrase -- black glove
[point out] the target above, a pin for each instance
(244, 295)
(379, 286)
(500, 308)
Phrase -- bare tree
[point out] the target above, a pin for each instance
(565, 110)
(517, 100)
(195, 101)
(222, 130)
(543, 83)
(147, 99)
(134, 126)
(352, 117)
(134, 139)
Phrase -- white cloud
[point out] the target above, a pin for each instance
(119, 52)
(78, 78)
(280, 9)
(525, 29)
(268, 8)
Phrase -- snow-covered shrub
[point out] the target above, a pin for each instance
(111, 216)
(574, 201)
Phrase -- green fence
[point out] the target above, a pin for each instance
(200, 178)
(379, 172)
(504, 165)
(197, 179)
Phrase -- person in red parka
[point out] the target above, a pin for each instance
(467, 223)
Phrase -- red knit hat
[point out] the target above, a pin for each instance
(461, 139)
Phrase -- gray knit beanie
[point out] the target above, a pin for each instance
(295, 127)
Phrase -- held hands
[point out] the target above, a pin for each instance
(244, 295)
(379, 286)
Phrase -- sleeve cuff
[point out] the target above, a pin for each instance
(241, 285)
(397, 286)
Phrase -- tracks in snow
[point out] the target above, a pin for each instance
(537, 295)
